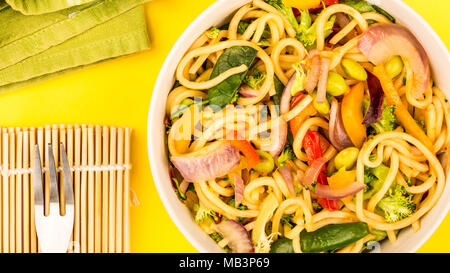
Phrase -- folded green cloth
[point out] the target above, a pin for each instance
(3, 5)
(36, 7)
(24, 36)
(122, 35)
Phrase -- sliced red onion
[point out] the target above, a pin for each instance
(212, 161)
(383, 41)
(313, 172)
(336, 132)
(312, 77)
(323, 80)
(324, 191)
(238, 238)
(278, 135)
(248, 92)
(285, 104)
(286, 172)
(376, 100)
(342, 21)
(238, 190)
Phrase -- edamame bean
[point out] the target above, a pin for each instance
(323, 108)
(346, 158)
(267, 163)
(394, 66)
(336, 85)
(354, 70)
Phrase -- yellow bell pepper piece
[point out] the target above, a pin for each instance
(302, 4)
(401, 111)
(352, 115)
(341, 179)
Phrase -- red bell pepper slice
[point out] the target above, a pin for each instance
(312, 143)
(251, 156)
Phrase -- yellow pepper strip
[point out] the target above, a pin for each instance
(352, 115)
(341, 179)
(303, 4)
(401, 111)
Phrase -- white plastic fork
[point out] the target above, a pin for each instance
(54, 230)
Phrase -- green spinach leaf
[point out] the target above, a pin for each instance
(225, 91)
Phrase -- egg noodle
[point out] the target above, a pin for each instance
(267, 198)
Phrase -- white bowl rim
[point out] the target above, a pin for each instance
(159, 167)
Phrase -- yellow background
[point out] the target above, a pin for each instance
(119, 92)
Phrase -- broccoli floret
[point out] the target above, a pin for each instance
(286, 11)
(213, 33)
(308, 34)
(232, 203)
(256, 79)
(374, 179)
(203, 213)
(300, 79)
(286, 219)
(216, 237)
(387, 122)
(316, 206)
(397, 204)
(286, 154)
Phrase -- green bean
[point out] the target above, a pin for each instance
(394, 66)
(346, 158)
(332, 237)
(354, 70)
(336, 85)
(282, 245)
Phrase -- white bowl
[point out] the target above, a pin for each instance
(218, 14)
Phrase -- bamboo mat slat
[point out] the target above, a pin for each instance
(99, 157)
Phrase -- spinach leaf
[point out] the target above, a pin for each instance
(225, 91)
(242, 27)
(361, 6)
(279, 87)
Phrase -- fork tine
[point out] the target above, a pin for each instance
(37, 178)
(68, 184)
(54, 196)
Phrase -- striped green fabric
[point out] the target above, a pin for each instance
(36, 7)
(120, 36)
(3, 5)
(24, 36)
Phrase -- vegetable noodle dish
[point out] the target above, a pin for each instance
(307, 126)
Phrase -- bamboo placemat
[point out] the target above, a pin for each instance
(100, 161)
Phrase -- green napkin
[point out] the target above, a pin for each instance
(35, 7)
(24, 36)
(122, 35)
(3, 5)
